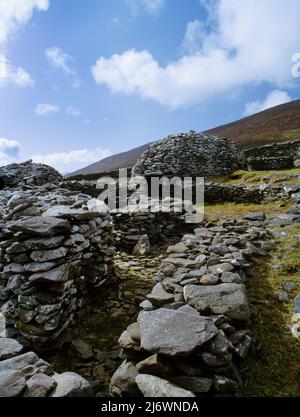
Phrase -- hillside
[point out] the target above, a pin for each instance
(280, 123)
(112, 163)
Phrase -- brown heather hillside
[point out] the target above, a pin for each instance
(278, 124)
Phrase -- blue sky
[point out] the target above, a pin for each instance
(80, 81)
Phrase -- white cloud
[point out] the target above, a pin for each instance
(252, 42)
(274, 98)
(9, 151)
(149, 6)
(72, 111)
(13, 14)
(46, 108)
(62, 61)
(72, 160)
(9, 74)
(194, 36)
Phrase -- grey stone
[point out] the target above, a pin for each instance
(39, 385)
(231, 277)
(142, 247)
(123, 381)
(9, 348)
(152, 386)
(154, 365)
(12, 383)
(70, 384)
(290, 286)
(48, 255)
(195, 384)
(255, 216)
(225, 299)
(60, 274)
(219, 269)
(172, 332)
(159, 296)
(242, 348)
(82, 349)
(40, 226)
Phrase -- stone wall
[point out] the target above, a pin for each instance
(158, 226)
(189, 155)
(55, 247)
(193, 329)
(222, 193)
(275, 156)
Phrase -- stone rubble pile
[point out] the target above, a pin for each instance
(189, 154)
(193, 330)
(26, 375)
(55, 247)
(28, 174)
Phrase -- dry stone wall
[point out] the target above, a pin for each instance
(193, 329)
(55, 247)
(275, 156)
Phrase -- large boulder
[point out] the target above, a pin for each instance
(174, 333)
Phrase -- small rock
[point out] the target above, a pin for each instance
(82, 349)
(152, 387)
(159, 296)
(123, 381)
(70, 384)
(142, 247)
(39, 385)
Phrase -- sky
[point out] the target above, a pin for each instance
(80, 81)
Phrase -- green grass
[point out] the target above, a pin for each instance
(253, 178)
(273, 368)
(291, 134)
(213, 212)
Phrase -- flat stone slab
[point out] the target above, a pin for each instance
(225, 299)
(40, 226)
(174, 333)
(152, 386)
(60, 274)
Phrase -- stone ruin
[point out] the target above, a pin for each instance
(28, 174)
(56, 248)
(189, 155)
(276, 156)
